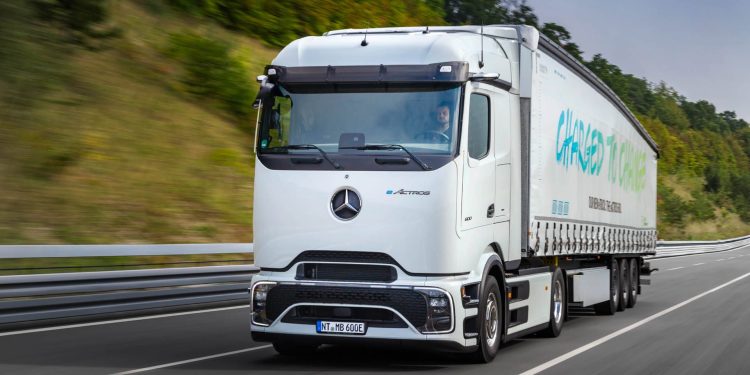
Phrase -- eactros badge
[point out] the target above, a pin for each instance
(346, 204)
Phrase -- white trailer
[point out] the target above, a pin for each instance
(453, 186)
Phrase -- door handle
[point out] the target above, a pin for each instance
(491, 211)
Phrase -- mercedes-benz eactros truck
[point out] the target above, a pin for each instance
(453, 187)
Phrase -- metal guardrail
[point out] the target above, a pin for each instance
(48, 298)
(666, 249)
(73, 251)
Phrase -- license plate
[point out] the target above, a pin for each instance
(344, 328)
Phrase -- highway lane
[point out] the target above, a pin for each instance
(709, 334)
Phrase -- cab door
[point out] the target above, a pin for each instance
(478, 158)
(502, 134)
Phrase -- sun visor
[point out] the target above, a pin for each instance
(447, 72)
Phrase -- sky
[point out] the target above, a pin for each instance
(701, 48)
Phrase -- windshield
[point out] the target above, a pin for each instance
(420, 119)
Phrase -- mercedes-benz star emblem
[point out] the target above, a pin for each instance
(346, 204)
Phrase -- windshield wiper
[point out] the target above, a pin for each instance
(311, 147)
(391, 147)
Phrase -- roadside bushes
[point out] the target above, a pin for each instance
(84, 20)
(740, 187)
(211, 71)
(670, 207)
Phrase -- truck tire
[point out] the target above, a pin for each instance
(490, 319)
(557, 305)
(289, 348)
(635, 276)
(624, 284)
(610, 307)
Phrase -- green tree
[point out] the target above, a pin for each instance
(475, 12)
(561, 36)
(635, 92)
(523, 14)
(489, 12)
(733, 123)
(671, 208)
(83, 19)
(702, 115)
(212, 72)
(667, 107)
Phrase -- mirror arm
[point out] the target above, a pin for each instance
(484, 77)
(259, 109)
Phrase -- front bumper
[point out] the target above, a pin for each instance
(354, 296)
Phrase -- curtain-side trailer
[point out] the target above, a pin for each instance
(454, 187)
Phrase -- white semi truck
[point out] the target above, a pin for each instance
(454, 187)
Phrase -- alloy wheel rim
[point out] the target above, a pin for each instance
(557, 300)
(491, 320)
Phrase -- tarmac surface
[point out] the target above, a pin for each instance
(693, 319)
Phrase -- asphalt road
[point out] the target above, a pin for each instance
(693, 319)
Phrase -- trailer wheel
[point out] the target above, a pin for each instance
(289, 348)
(624, 284)
(490, 321)
(557, 305)
(635, 276)
(609, 307)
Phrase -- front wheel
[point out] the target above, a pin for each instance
(490, 322)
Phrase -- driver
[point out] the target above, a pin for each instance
(443, 118)
(439, 129)
(303, 125)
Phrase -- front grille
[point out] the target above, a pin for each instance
(408, 303)
(346, 272)
(374, 317)
(344, 257)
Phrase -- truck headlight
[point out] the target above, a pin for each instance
(258, 302)
(439, 311)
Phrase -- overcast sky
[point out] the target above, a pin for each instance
(701, 48)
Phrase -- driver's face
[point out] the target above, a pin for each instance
(443, 115)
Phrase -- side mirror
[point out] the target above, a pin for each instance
(265, 92)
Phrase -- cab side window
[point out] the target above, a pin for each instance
(479, 126)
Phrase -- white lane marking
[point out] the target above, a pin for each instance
(631, 327)
(697, 264)
(192, 360)
(69, 326)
